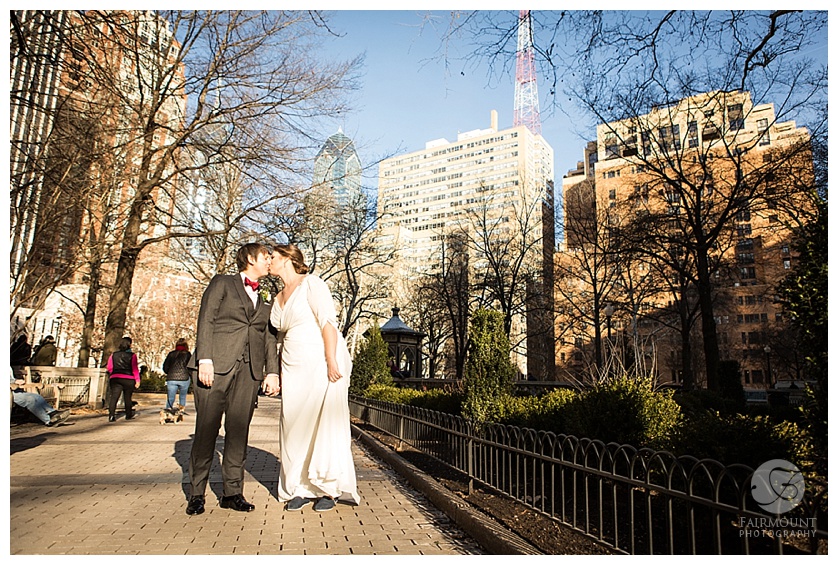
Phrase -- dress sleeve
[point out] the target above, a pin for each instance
(321, 302)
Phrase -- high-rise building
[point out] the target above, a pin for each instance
(495, 187)
(34, 99)
(77, 140)
(714, 165)
(337, 168)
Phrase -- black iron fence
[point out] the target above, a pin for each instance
(634, 501)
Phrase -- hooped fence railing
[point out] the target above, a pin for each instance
(633, 501)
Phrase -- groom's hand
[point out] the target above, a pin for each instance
(271, 385)
(206, 374)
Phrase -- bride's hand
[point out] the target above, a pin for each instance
(333, 372)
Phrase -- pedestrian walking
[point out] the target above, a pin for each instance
(177, 374)
(124, 372)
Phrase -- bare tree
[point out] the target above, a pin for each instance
(620, 66)
(511, 249)
(588, 272)
(446, 291)
(340, 243)
(242, 87)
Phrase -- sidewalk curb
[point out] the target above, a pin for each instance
(492, 536)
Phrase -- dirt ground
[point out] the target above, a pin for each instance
(547, 535)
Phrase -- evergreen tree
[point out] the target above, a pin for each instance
(804, 294)
(489, 371)
(369, 366)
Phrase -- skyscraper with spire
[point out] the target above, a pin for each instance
(337, 168)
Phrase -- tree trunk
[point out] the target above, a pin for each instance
(89, 315)
(687, 377)
(708, 321)
(121, 292)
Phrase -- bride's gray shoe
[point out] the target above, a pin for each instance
(325, 504)
(296, 504)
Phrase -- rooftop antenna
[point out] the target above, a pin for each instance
(526, 87)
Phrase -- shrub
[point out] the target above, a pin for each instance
(489, 370)
(623, 410)
(700, 400)
(439, 401)
(544, 412)
(151, 381)
(741, 439)
(369, 365)
(390, 393)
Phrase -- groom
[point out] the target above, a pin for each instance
(234, 351)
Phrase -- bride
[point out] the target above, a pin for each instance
(315, 439)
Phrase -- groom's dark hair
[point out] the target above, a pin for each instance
(250, 251)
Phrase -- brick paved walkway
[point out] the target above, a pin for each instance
(90, 487)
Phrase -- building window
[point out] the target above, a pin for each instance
(762, 126)
(787, 264)
(692, 134)
(735, 119)
(747, 273)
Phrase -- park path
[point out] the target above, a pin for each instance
(90, 487)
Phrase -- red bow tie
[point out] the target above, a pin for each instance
(252, 284)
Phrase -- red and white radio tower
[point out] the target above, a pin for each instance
(526, 87)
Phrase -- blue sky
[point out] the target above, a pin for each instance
(409, 97)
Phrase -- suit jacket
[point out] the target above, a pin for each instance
(230, 328)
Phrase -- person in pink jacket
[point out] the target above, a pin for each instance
(124, 372)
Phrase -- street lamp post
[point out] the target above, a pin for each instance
(609, 311)
(767, 350)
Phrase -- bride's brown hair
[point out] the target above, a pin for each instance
(293, 252)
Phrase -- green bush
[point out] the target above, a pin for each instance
(701, 400)
(152, 381)
(489, 371)
(369, 366)
(623, 410)
(738, 438)
(437, 400)
(544, 412)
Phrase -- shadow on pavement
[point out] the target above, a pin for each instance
(257, 461)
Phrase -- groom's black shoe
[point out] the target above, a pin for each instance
(195, 506)
(236, 502)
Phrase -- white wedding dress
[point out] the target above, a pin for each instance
(314, 435)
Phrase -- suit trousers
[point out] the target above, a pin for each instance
(232, 396)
